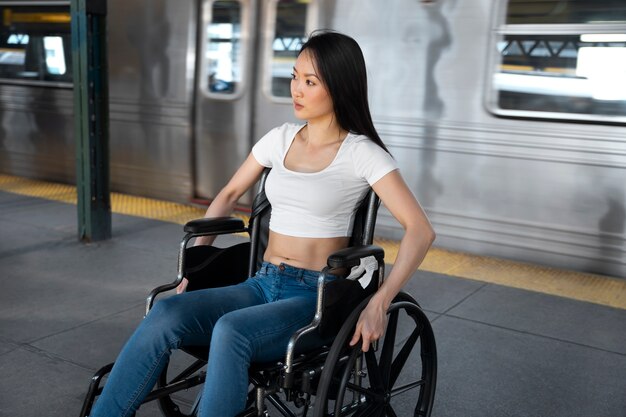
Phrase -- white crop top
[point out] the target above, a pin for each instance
(319, 204)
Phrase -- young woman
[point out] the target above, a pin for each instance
(320, 171)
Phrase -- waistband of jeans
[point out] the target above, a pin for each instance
(290, 270)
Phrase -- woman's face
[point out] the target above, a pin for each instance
(311, 99)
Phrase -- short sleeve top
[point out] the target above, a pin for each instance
(319, 204)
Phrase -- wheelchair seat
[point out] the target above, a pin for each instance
(332, 380)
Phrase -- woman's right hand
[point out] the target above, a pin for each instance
(182, 286)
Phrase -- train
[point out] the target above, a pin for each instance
(506, 117)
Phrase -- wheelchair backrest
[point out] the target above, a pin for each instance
(362, 230)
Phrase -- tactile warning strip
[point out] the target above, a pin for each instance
(597, 289)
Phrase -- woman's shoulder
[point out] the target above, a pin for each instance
(274, 144)
(370, 161)
(361, 143)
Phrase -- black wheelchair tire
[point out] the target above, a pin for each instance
(382, 370)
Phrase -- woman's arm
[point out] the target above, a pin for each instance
(418, 236)
(246, 176)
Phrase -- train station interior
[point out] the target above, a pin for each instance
(67, 307)
(121, 120)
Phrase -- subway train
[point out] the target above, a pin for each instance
(506, 117)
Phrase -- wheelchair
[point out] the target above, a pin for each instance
(395, 377)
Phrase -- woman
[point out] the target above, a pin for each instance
(320, 170)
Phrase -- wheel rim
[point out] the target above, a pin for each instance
(389, 387)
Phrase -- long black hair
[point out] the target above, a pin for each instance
(339, 62)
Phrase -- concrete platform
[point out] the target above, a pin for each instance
(67, 307)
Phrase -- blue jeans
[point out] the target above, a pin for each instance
(244, 323)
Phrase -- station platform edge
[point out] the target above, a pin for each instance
(598, 289)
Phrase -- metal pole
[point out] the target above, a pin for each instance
(91, 118)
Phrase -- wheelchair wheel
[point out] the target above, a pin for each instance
(396, 380)
(185, 387)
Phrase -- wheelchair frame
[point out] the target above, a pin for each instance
(302, 377)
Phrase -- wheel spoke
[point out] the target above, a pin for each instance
(191, 369)
(390, 412)
(368, 393)
(373, 370)
(386, 355)
(350, 409)
(190, 377)
(403, 355)
(365, 410)
(407, 387)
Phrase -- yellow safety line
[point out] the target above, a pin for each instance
(581, 286)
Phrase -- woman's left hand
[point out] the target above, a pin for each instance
(418, 236)
(371, 325)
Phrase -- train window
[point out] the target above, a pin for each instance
(561, 60)
(565, 11)
(223, 55)
(289, 35)
(35, 45)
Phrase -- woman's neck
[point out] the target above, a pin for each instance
(324, 132)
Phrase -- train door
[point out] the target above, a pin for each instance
(246, 51)
(286, 25)
(223, 93)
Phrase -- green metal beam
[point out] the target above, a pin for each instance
(91, 118)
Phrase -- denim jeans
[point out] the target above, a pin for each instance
(244, 323)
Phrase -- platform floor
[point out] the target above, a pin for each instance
(67, 307)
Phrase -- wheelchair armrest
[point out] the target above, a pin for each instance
(199, 227)
(341, 260)
(350, 257)
(215, 226)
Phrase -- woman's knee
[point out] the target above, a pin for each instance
(226, 328)
(167, 312)
(231, 333)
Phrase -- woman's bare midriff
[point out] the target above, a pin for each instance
(306, 253)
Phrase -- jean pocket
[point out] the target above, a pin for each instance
(309, 281)
(259, 274)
